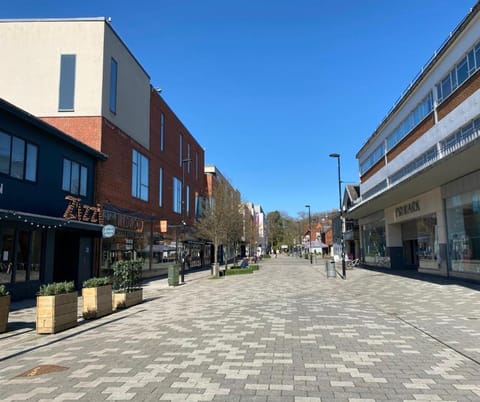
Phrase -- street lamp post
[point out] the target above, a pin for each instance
(342, 218)
(310, 233)
(184, 223)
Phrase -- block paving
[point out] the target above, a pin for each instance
(283, 333)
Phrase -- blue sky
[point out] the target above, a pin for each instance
(271, 87)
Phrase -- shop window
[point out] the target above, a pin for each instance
(7, 260)
(374, 244)
(21, 255)
(463, 226)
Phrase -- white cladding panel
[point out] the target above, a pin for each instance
(466, 40)
(30, 67)
(133, 91)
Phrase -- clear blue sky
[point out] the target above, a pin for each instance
(271, 87)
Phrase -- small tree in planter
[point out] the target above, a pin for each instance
(97, 297)
(127, 277)
(4, 308)
(57, 307)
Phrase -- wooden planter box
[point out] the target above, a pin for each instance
(4, 309)
(56, 313)
(124, 300)
(97, 302)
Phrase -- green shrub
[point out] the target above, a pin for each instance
(3, 290)
(239, 271)
(127, 275)
(96, 282)
(56, 288)
(254, 267)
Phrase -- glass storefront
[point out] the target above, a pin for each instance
(463, 226)
(374, 244)
(420, 242)
(21, 252)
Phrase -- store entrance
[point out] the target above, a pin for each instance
(410, 254)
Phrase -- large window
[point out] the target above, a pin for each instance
(374, 157)
(113, 85)
(180, 149)
(374, 244)
(177, 195)
(75, 177)
(160, 188)
(187, 200)
(411, 121)
(21, 255)
(66, 96)
(465, 68)
(162, 132)
(18, 158)
(139, 176)
(463, 226)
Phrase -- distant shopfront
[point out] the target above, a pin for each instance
(436, 232)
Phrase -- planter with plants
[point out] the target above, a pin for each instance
(4, 308)
(57, 307)
(127, 277)
(96, 297)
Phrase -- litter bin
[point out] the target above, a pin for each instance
(330, 268)
(173, 278)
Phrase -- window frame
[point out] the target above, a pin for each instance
(77, 185)
(140, 176)
(66, 86)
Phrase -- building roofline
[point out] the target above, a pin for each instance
(52, 19)
(474, 10)
(35, 121)
(106, 20)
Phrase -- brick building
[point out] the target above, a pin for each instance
(87, 83)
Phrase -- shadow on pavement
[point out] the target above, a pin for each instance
(424, 277)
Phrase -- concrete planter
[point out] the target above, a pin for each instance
(97, 301)
(124, 300)
(4, 310)
(56, 313)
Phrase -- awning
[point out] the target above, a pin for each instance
(47, 222)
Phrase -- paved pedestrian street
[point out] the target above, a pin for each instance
(283, 333)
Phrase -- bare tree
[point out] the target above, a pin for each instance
(219, 221)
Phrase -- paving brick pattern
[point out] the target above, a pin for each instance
(284, 333)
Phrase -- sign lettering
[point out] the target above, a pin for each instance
(82, 212)
(407, 209)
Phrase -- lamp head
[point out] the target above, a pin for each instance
(334, 155)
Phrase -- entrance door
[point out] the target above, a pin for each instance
(410, 253)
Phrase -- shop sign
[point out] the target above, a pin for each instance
(108, 231)
(407, 209)
(83, 212)
(124, 222)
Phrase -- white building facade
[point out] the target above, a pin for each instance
(419, 204)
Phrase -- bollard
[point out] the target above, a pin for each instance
(173, 277)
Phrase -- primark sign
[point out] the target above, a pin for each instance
(407, 209)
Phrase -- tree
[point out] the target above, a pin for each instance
(220, 218)
(275, 229)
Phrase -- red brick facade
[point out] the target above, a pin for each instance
(114, 176)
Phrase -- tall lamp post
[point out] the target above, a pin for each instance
(342, 218)
(310, 235)
(184, 223)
